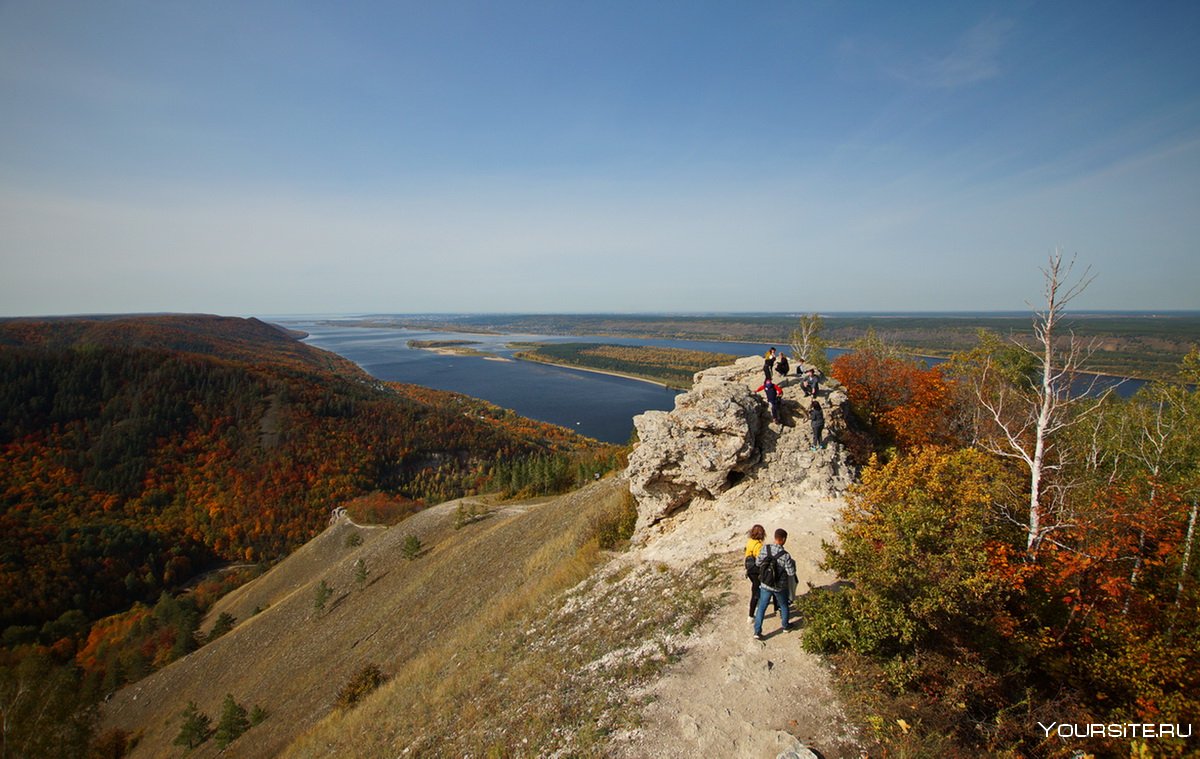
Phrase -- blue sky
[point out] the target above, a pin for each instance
(291, 157)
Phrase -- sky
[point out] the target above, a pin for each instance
(252, 158)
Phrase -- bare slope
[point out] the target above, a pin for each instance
(292, 659)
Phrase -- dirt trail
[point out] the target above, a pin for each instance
(733, 696)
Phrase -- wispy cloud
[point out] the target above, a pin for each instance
(974, 58)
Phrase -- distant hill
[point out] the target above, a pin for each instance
(136, 451)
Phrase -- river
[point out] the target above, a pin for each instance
(597, 405)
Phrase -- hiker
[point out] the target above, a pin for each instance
(816, 417)
(768, 362)
(784, 569)
(774, 395)
(782, 365)
(811, 382)
(753, 547)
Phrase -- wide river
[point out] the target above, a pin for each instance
(596, 405)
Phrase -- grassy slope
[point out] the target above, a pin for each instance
(292, 660)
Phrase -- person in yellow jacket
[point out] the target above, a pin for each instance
(753, 547)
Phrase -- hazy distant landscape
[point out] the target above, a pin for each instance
(1128, 344)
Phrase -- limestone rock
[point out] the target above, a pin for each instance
(720, 438)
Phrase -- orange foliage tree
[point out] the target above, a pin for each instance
(906, 405)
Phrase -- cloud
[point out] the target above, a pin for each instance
(973, 59)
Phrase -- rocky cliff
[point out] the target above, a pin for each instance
(719, 451)
(703, 474)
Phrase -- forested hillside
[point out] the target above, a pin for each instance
(135, 452)
(1021, 561)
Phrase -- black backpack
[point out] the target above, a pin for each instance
(770, 573)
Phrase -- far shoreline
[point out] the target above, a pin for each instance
(647, 380)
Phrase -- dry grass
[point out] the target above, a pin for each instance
(540, 672)
(482, 651)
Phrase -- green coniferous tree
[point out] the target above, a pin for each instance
(360, 572)
(412, 547)
(233, 722)
(224, 624)
(323, 593)
(195, 728)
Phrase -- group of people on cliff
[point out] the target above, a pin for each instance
(810, 386)
(772, 575)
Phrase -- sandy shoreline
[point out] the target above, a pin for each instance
(462, 352)
(604, 371)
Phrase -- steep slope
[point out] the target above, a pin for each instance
(292, 658)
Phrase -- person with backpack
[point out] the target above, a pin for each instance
(753, 547)
(775, 570)
(816, 417)
(774, 395)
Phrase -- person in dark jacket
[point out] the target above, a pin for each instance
(774, 394)
(816, 417)
(768, 363)
(787, 570)
(782, 366)
(810, 384)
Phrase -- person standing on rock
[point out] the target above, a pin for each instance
(753, 547)
(774, 395)
(768, 363)
(785, 569)
(816, 417)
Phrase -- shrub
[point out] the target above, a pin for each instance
(195, 729)
(920, 542)
(353, 540)
(466, 514)
(233, 722)
(364, 682)
(321, 596)
(224, 624)
(257, 715)
(616, 526)
(412, 547)
(935, 600)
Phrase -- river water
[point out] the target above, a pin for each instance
(596, 405)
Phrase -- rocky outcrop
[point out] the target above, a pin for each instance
(720, 439)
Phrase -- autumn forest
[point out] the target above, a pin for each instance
(137, 454)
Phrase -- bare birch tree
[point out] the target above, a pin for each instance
(808, 347)
(1029, 419)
